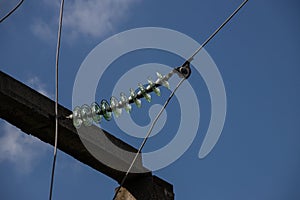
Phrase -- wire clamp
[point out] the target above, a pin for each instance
(184, 71)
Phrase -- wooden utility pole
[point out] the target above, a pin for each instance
(33, 113)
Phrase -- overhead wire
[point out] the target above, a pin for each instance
(11, 11)
(217, 30)
(172, 94)
(56, 97)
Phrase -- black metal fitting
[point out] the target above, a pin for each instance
(184, 71)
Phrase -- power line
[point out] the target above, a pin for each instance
(217, 30)
(10, 12)
(184, 71)
(56, 97)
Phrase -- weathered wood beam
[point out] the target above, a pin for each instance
(33, 113)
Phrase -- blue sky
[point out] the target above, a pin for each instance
(257, 54)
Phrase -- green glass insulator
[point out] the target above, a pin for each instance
(162, 81)
(155, 89)
(86, 115)
(105, 110)
(96, 112)
(137, 102)
(144, 93)
(77, 121)
(125, 103)
(114, 103)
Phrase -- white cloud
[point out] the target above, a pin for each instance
(43, 30)
(39, 86)
(93, 18)
(20, 149)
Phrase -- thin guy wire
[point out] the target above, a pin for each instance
(56, 96)
(10, 12)
(217, 30)
(170, 97)
(147, 136)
